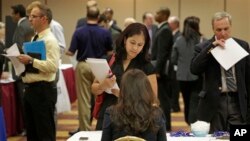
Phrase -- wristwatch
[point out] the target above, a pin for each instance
(31, 61)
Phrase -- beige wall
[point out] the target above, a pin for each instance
(68, 11)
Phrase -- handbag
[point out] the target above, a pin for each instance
(100, 98)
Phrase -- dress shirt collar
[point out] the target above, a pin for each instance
(162, 23)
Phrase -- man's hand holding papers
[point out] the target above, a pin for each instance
(229, 53)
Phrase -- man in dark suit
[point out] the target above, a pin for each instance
(222, 103)
(23, 33)
(174, 24)
(161, 52)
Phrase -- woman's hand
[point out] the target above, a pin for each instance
(108, 83)
(116, 92)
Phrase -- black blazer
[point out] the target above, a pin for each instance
(204, 62)
(162, 46)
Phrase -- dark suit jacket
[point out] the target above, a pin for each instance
(23, 33)
(204, 62)
(81, 22)
(162, 46)
(176, 35)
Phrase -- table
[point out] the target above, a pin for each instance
(96, 136)
(11, 109)
(69, 77)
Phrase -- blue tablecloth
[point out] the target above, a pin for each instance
(2, 126)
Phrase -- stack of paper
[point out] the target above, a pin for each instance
(12, 53)
(101, 70)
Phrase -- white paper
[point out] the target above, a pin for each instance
(101, 70)
(230, 54)
(12, 53)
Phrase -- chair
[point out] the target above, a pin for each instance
(130, 138)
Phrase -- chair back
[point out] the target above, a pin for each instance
(130, 138)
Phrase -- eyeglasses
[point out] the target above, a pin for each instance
(34, 16)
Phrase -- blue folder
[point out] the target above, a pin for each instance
(36, 47)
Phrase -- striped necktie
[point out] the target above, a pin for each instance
(230, 81)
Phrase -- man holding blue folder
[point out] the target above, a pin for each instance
(41, 91)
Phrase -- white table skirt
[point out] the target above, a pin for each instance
(96, 136)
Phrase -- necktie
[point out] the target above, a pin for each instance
(231, 84)
(35, 38)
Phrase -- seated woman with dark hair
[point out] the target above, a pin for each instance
(136, 113)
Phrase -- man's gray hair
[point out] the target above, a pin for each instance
(221, 15)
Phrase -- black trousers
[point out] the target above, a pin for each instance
(163, 96)
(190, 91)
(39, 101)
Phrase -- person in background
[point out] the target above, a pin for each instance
(5, 67)
(3, 136)
(148, 21)
(131, 52)
(83, 21)
(225, 96)
(40, 93)
(160, 55)
(90, 41)
(183, 51)
(23, 33)
(128, 21)
(136, 113)
(174, 24)
(108, 12)
(103, 22)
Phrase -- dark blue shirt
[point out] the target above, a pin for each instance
(91, 41)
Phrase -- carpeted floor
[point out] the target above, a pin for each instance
(69, 122)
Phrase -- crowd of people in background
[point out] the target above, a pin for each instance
(154, 62)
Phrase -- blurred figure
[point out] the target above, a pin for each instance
(123, 119)
(3, 136)
(161, 54)
(108, 12)
(148, 20)
(183, 51)
(23, 33)
(83, 21)
(128, 21)
(103, 22)
(174, 24)
(89, 41)
(5, 67)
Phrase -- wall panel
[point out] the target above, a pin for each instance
(153, 5)
(240, 18)
(204, 10)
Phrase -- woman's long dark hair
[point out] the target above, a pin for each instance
(191, 30)
(130, 30)
(134, 111)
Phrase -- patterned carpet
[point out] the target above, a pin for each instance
(68, 122)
